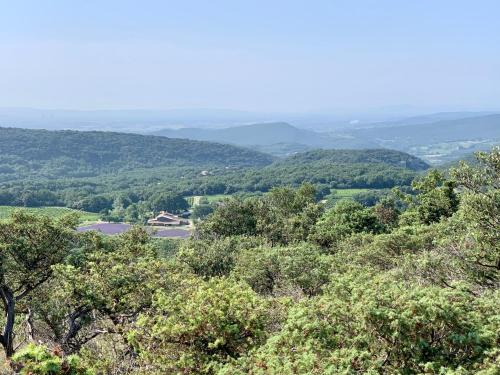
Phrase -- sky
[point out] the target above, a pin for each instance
(272, 55)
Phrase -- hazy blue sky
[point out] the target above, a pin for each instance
(256, 55)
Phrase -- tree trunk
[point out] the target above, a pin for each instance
(6, 339)
(29, 325)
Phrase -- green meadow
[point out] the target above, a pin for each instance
(197, 199)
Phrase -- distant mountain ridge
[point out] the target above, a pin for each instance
(482, 127)
(254, 134)
(276, 138)
(435, 141)
(425, 119)
(415, 132)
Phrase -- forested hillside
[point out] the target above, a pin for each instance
(275, 284)
(341, 168)
(100, 171)
(51, 154)
(368, 156)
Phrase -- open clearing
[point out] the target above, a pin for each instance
(346, 193)
(195, 200)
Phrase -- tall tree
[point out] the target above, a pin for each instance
(480, 210)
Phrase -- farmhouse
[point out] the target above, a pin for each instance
(167, 219)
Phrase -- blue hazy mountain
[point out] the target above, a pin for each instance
(278, 138)
(462, 129)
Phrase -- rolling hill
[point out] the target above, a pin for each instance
(373, 168)
(369, 156)
(43, 153)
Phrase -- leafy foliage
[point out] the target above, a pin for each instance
(346, 218)
(204, 326)
(168, 202)
(373, 326)
(301, 269)
(39, 360)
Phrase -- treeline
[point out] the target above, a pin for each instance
(268, 285)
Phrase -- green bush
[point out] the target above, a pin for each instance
(200, 328)
(37, 359)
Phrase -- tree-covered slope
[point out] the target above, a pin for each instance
(377, 168)
(71, 153)
(371, 156)
(370, 169)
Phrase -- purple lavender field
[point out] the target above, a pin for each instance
(117, 228)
